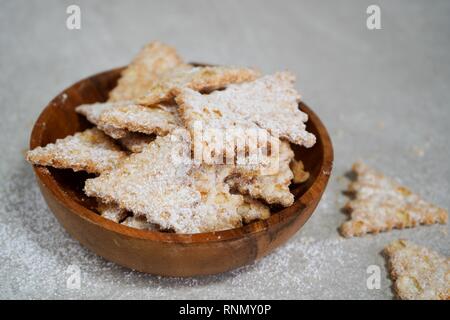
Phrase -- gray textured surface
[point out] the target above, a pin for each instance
(382, 94)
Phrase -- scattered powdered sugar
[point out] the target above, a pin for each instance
(36, 254)
(314, 258)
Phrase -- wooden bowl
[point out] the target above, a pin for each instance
(166, 254)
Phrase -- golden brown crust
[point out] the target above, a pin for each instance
(382, 204)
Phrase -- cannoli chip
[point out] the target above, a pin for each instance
(273, 187)
(144, 71)
(381, 204)
(90, 150)
(111, 211)
(135, 142)
(231, 210)
(418, 272)
(269, 103)
(195, 78)
(158, 119)
(159, 183)
(92, 112)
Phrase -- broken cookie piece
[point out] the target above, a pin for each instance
(139, 222)
(298, 169)
(251, 210)
(418, 272)
(111, 211)
(382, 204)
(91, 151)
(144, 71)
(195, 78)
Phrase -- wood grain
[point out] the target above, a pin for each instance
(167, 254)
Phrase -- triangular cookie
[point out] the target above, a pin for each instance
(90, 150)
(268, 104)
(195, 78)
(419, 273)
(93, 111)
(159, 183)
(381, 204)
(273, 188)
(142, 73)
(158, 119)
(118, 119)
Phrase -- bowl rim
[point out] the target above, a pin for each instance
(49, 182)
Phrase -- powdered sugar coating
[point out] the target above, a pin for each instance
(419, 273)
(382, 204)
(120, 118)
(269, 103)
(153, 184)
(158, 119)
(273, 188)
(93, 111)
(90, 150)
(230, 209)
(196, 78)
(252, 209)
(162, 184)
(146, 68)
